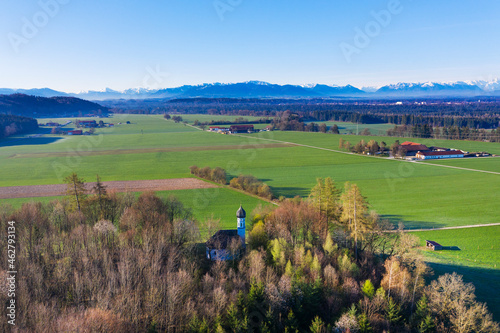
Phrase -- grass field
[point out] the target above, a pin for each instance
(418, 194)
(476, 256)
(217, 203)
(437, 196)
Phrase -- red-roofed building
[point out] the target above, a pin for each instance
(75, 132)
(412, 148)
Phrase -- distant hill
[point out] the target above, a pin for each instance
(35, 106)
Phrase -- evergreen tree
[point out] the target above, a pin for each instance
(364, 324)
(392, 312)
(75, 190)
(368, 289)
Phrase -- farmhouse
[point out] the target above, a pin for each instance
(433, 245)
(75, 132)
(412, 148)
(218, 247)
(433, 155)
(218, 129)
(241, 129)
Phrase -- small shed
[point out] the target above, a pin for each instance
(435, 246)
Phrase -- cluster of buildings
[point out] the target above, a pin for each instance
(422, 152)
(233, 129)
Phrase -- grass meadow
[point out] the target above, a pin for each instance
(418, 194)
(475, 255)
(421, 195)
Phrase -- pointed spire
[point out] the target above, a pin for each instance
(241, 214)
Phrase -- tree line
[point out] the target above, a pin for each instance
(319, 264)
(12, 125)
(247, 183)
(448, 133)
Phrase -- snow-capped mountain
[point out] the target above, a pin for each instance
(431, 89)
(487, 85)
(260, 89)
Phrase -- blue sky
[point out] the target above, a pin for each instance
(87, 45)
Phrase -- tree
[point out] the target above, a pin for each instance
(373, 147)
(75, 190)
(393, 312)
(454, 304)
(322, 128)
(368, 289)
(335, 129)
(354, 209)
(325, 197)
(341, 143)
(258, 236)
(317, 325)
(422, 318)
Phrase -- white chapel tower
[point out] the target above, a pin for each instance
(241, 215)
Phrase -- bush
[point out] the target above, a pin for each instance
(252, 185)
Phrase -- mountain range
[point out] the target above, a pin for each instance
(259, 89)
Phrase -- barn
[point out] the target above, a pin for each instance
(435, 246)
(434, 155)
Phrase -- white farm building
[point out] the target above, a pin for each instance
(434, 155)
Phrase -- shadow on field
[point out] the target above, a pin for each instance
(486, 281)
(451, 248)
(29, 141)
(409, 225)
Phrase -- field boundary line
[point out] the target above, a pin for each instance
(376, 157)
(448, 228)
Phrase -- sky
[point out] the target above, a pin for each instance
(76, 45)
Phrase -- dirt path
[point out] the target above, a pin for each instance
(118, 186)
(450, 228)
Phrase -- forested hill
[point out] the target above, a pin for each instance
(25, 105)
(11, 125)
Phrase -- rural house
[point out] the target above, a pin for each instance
(219, 245)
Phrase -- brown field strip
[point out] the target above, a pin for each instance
(149, 150)
(117, 186)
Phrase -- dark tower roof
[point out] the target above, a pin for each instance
(241, 214)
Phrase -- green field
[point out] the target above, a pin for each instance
(475, 254)
(217, 203)
(420, 194)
